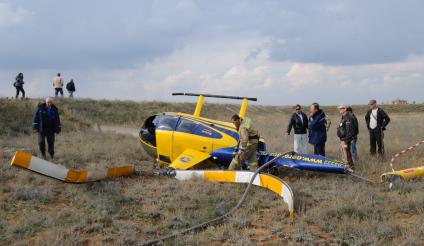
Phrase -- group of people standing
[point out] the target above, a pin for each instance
(314, 130)
(57, 85)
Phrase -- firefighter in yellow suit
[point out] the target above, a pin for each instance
(247, 146)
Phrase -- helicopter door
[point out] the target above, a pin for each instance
(192, 135)
(164, 136)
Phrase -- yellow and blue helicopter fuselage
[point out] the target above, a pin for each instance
(182, 141)
(166, 136)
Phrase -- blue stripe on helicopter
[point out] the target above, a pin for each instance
(306, 162)
(226, 131)
(297, 161)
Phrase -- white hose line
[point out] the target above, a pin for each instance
(266, 181)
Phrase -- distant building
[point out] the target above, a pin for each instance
(399, 101)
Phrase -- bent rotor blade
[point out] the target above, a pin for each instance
(405, 174)
(266, 181)
(27, 161)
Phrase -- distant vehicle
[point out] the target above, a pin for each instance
(185, 141)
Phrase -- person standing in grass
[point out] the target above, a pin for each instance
(354, 142)
(346, 133)
(58, 85)
(317, 129)
(46, 122)
(299, 123)
(70, 87)
(377, 121)
(247, 145)
(19, 85)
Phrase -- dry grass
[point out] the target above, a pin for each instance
(330, 209)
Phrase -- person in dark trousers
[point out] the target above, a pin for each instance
(317, 129)
(346, 133)
(299, 122)
(354, 142)
(19, 85)
(47, 123)
(70, 87)
(377, 121)
(58, 85)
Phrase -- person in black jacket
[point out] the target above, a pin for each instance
(377, 121)
(317, 129)
(70, 87)
(354, 142)
(299, 122)
(19, 85)
(47, 123)
(346, 132)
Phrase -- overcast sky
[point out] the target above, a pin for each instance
(283, 52)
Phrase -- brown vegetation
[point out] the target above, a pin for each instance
(330, 209)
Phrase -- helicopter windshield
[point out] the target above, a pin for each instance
(148, 131)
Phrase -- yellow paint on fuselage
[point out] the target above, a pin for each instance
(173, 143)
(164, 146)
(406, 174)
(243, 108)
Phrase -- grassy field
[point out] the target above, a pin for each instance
(330, 209)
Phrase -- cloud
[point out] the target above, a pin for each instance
(387, 80)
(347, 32)
(280, 51)
(11, 16)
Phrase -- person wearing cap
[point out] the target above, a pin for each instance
(353, 147)
(317, 126)
(46, 122)
(346, 132)
(247, 145)
(299, 123)
(377, 121)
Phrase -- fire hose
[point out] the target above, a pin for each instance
(216, 220)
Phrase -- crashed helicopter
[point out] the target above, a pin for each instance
(186, 141)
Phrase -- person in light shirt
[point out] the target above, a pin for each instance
(58, 85)
(377, 121)
(299, 123)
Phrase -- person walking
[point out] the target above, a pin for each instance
(354, 142)
(19, 85)
(247, 146)
(58, 85)
(377, 121)
(70, 87)
(46, 123)
(317, 129)
(299, 122)
(346, 133)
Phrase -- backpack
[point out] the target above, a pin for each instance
(69, 86)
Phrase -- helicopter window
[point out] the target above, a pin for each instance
(167, 122)
(151, 123)
(206, 132)
(186, 126)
